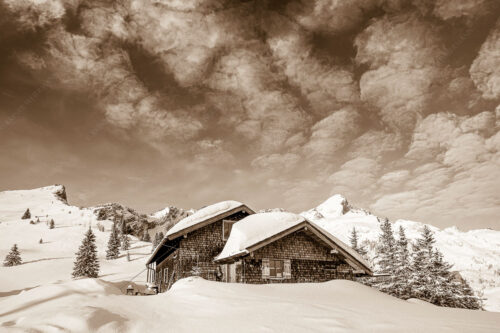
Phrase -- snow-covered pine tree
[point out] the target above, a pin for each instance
(26, 215)
(447, 290)
(125, 242)
(355, 243)
(386, 248)
(40, 241)
(13, 258)
(402, 269)
(421, 281)
(52, 224)
(353, 239)
(113, 250)
(87, 263)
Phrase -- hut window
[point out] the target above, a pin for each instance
(227, 225)
(275, 268)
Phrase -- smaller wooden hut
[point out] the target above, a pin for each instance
(282, 247)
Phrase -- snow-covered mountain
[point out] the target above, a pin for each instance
(475, 253)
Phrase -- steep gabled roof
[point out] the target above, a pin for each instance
(258, 230)
(205, 214)
(199, 219)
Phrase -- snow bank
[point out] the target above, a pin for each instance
(204, 214)
(196, 305)
(255, 228)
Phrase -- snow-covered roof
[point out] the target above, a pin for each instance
(204, 214)
(256, 228)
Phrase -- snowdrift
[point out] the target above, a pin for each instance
(196, 305)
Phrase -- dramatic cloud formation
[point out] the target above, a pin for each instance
(393, 103)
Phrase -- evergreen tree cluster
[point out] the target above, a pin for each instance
(113, 251)
(87, 263)
(13, 258)
(418, 270)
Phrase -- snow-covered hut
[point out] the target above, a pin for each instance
(190, 246)
(286, 247)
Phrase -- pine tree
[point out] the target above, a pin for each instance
(354, 239)
(146, 237)
(355, 243)
(125, 242)
(113, 250)
(26, 215)
(13, 258)
(128, 256)
(51, 224)
(40, 241)
(402, 269)
(86, 263)
(386, 249)
(161, 236)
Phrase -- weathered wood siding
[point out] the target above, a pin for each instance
(311, 261)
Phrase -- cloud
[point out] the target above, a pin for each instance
(81, 63)
(272, 115)
(459, 8)
(375, 144)
(331, 16)
(461, 178)
(32, 14)
(393, 180)
(326, 87)
(451, 139)
(332, 133)
(485, 70)
(275, 162)
(403, 54)
(355, 176)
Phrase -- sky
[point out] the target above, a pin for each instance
(394, 104)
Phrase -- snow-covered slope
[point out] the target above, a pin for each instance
(52, 260)
(196, 305)
(475, 254)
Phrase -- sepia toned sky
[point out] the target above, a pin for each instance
(393, 103)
